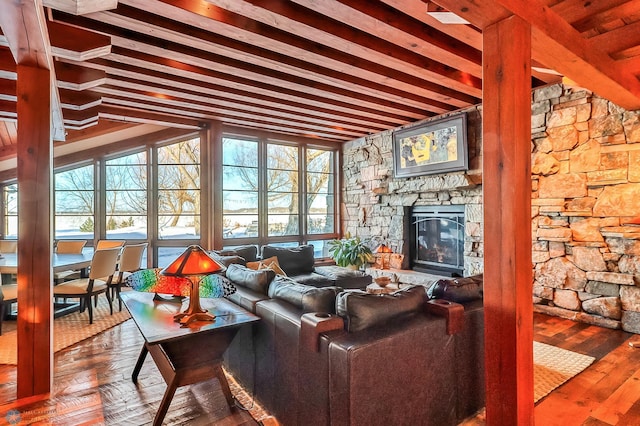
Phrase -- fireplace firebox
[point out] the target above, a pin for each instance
(437, 239)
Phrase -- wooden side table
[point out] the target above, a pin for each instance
(184, 355)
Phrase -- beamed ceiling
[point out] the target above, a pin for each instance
(326, 69)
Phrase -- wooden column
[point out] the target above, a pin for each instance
(507, 222)
(35, 168)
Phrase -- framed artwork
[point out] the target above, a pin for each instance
(438, 146)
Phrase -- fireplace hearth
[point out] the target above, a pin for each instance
(437, 239)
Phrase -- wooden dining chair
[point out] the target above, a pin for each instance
(105, 244)
(8, 296)
(68, 247)
(8, 246)
(130, 260)
(103, 267)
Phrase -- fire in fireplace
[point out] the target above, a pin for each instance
(437, 239)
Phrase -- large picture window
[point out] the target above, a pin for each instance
(278, 193)
(75, 203)
(126, 197)
(179, 190)
(10, 204)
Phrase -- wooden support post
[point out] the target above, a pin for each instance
(35, 275)
(507, 222)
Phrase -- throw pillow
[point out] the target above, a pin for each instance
(254, 280)
(362, 310)
(270, 263)
(293, 260)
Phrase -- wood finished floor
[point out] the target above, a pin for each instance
(93, 385)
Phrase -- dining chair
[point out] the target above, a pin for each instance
(103, 267)
(8, 246)
(68, 247)
(105, 244)
(8, 296)
(130, 260)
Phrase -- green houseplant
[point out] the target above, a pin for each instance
(350, 251)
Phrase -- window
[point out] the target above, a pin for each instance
(240, 188)
(75, 203)
(126, 197)
(282, 190)
(278, 193)
(179, 190)
(10, 199)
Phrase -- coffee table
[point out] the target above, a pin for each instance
(184, 355)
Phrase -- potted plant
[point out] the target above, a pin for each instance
(350, 252)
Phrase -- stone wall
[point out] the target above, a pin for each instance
(586, 198)
(585, 203)
(374, 202)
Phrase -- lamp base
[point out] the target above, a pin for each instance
(186, 318)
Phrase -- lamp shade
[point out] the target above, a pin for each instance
(194, 261)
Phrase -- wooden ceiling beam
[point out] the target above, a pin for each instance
(297, 19)
(81, 7)
(203, 44)
(112, 93)
(78, 78)
(405, 31)
(351, 61)
(559, 46)
(127, 74)
(73, 100)
(169, 107)
(585, 15)
(76, 43)
(24, 26)
(248, 71)
(172, 67)
(130, 115)
(617, 40)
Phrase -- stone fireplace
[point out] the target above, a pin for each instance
(436, 237)
(585, 204)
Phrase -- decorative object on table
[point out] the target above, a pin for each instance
(396, 260)
(383, 281)
(192, 264)
(437, 146)
(382, 254)
(350, 251)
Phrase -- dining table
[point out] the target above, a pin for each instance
(60, 262)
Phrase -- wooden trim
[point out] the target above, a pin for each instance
(35, 274)
(506, 129)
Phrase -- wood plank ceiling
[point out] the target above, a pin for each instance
(334, 70)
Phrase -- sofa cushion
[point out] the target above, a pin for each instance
(227, 259)
(249, 252)
(270, 263)
(307, 298)
(460, 290)
(362, 310)
(344, 277)
(293, 260)
(257, 281)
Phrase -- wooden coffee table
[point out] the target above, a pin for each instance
(184, 355)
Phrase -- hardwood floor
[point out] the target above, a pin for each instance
(93, 384)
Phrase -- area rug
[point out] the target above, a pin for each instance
(67, 330)
(553, 366)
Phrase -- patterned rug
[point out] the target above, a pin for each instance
(67, 330)
(553, 366)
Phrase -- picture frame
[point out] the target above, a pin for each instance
(437, 146)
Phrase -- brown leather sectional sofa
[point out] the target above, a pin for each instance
(328, 356)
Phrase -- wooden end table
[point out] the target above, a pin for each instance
(184, 355)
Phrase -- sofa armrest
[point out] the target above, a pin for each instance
(453, 312)
(313, 324)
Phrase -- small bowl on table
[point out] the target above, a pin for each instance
(382, 281)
